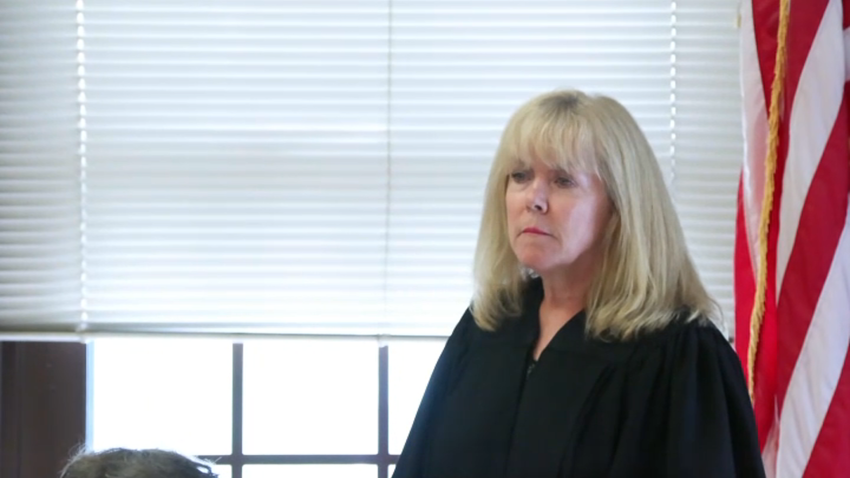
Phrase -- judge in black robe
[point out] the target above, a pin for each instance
(590, 349)
(671, 404)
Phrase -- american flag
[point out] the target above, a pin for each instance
(799, 254)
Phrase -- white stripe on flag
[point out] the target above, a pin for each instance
(768, 455)
(816, 105)
(755, 132)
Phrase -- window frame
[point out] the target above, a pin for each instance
(383, 459)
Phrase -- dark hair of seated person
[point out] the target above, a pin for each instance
(127, 463)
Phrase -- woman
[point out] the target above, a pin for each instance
(589, 350)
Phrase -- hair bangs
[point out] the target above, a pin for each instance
(560, 139)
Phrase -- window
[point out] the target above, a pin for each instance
(174, 394)
(312, 408)
(310, 397)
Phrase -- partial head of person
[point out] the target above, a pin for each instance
(575, 190)
(126, 463)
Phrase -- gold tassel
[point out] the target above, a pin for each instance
(757, 316)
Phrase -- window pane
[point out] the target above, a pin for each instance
(410, 367)
(171, 394)
(223, 471)
(310, 397)
(310, 471)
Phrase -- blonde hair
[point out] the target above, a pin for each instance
(647, 277)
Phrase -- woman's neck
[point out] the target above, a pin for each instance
(565, 293)
(562, 300)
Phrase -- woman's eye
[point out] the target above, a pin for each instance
(519, 176)
(565, 181)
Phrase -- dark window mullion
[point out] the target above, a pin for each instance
(237, 457)
(383, 413)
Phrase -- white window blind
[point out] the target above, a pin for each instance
(40, 215)
(708, 143)
(237, 165)
(317, 167)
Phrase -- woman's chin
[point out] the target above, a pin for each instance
(536, 264)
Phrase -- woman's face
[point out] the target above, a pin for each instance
(556, 219)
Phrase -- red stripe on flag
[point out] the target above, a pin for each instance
(804, 21)
(766, 26)
(846, 22)
(745, 282)
(765, 386)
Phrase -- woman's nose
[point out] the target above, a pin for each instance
(538, 199)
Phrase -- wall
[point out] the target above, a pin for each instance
(42, 407)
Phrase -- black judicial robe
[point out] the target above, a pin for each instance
(670, 404)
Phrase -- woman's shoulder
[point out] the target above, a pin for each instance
(687, 328)
(467, 328)
(683, 331)
(688, 338)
